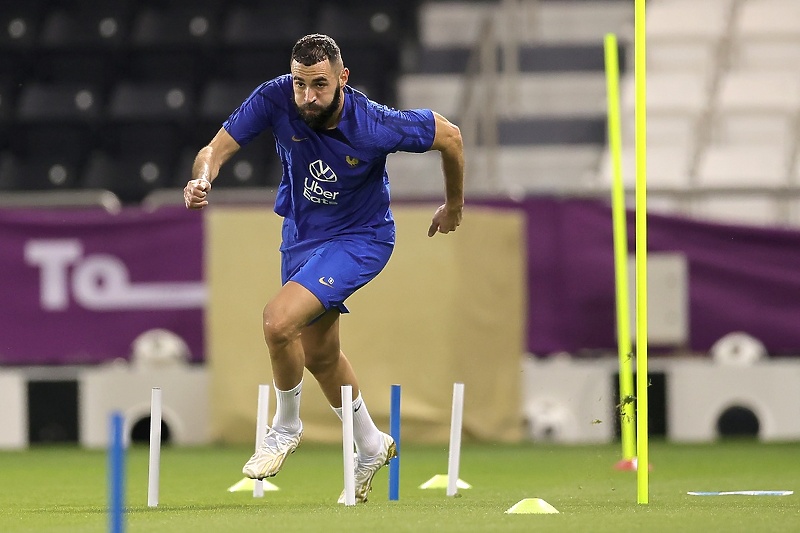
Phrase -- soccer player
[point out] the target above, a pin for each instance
(338, 229)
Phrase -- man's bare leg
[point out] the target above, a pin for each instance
(330, 367)
(325, 360)
(284, 318)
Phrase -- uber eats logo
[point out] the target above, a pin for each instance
(314, 188)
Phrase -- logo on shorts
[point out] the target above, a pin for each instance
(352, 161)
(327, 282)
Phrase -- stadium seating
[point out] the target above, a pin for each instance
(723, 92)
(43, 102)
(129, 79)
(131, 175)
(766, 36)
(548, 96)
(757, 171)
(151, 101)
(253, 25)
(46, 171)
(7, 109)
(86, 25)
(743, 166)
(752, 106)
(53, 129)
(174, 42)
(668, 167)
(20, 23)
(108, 90)
(771, 20)
(256, 40)
(82, 42)
(255, 165)
(680, 42)
(675, 103)
(175, 26)
(219, 98)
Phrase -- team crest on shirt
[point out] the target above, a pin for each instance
(352, 161)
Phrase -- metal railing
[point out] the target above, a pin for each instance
(490, 90)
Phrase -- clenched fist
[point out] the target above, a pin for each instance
(195, 193)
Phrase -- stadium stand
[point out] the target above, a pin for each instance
(97, 89)
(7, 106)
(20, 23)
(47, 171)
(532, 77)
(677, 42)
(85, 25)
(119, 94)
(722, 96)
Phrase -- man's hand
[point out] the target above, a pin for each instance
(195, 193)
(445, 220)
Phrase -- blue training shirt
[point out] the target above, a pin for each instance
(334, 182)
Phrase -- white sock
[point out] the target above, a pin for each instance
(287, 412)
(366, 435)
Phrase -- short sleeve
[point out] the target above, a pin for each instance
(254, 115)
(407, 131)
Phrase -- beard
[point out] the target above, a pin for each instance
(316, 117)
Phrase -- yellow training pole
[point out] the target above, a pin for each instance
(643, 461)
(626, 411)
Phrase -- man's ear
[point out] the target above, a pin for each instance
(343, 77)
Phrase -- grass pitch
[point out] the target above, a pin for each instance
(63, 489)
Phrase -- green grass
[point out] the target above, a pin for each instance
(63, 489)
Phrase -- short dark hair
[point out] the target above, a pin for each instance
(312, 49)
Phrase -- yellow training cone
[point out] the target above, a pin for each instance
(439, 481)
(247, 485)
(532, 506)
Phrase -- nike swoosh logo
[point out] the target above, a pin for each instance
(322, 280)
(297, 139)
(357, 408)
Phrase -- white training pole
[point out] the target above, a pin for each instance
(261, 430)
(155, 447)
(455, 439)
(347, 446)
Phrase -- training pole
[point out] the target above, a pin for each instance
(394, 431)
(454, 456)
(347, 446)
(261, 431)
(116, 473)
(626, 410)
(642, 452)
(155, 448)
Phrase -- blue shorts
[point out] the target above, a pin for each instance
(333, 269)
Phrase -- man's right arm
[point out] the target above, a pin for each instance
(206, 168)
(447, 140)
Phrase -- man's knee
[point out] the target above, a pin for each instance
(277, 330)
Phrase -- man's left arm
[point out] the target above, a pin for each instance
(447, 141)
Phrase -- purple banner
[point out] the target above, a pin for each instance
(78, 286)
(740, 278)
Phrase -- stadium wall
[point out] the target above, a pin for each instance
(445, 309)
